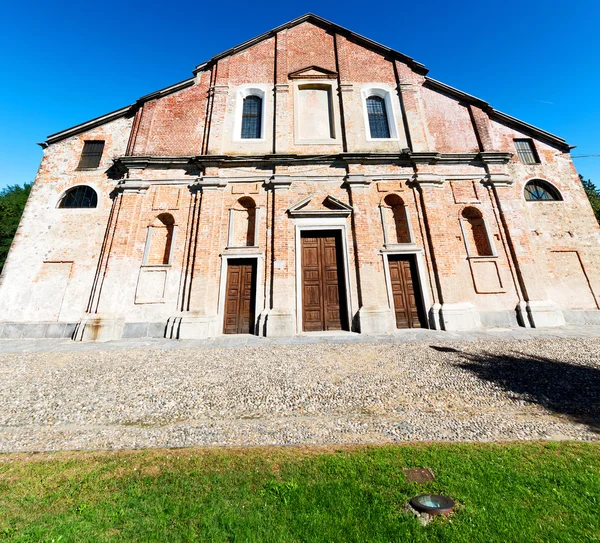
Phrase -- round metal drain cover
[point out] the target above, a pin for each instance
(432, 504)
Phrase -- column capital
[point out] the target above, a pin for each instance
(279, 181)
(208, 183)
(499, 179)
(428, 179)
(358, 181)
(132, 186)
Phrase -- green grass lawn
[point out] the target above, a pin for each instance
(518, 492)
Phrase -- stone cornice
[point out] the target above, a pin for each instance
(401, 158)
(495, 157)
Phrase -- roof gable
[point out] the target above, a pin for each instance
(317, 72)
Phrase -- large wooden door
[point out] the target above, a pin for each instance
(406, 292)
(323, 292)
(240, 297)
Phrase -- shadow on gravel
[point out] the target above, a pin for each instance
(568, 389)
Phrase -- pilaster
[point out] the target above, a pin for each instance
(280, 319)
(220, 94)
(201, 319)
(375, 314)
(409, 84)
(103, 321)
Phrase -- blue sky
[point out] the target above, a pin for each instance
(64, 62)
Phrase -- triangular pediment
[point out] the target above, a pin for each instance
(313, 72)
(312, 206)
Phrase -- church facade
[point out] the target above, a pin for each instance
(307, 180)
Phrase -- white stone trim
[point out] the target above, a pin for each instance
(383, 91)
(411, 235)
(553, 185)
(148, 244)
(331, 86)
(338, 225)
(244, 92)
(419, 256)
(100, 203)
(486, 225)
(260, 286)
(231, 229)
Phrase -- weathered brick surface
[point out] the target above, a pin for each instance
(514, 252)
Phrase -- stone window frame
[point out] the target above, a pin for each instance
(82, 155)
(332, 87)
(383, 91)
(553, 187)
(148, 243)
(462, 220)
(522, 153)
(63, 193)
(231, 222)
(243, 92)
(383, 205)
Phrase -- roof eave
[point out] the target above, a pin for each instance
(108, 117)
(77, 129)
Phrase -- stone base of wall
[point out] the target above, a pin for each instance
(99, 328)
(111, 329)
(280, 324)
(583, 316)
(499, 319)
(461, 316)
(376, 321)
(191, 327)
(144, 329)
(544, 314)
(37, 330)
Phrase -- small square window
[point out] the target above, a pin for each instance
(526, 152)
(91, 154)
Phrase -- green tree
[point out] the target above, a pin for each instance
(12, 203)
(593, 195)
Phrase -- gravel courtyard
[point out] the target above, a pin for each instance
(357, 392)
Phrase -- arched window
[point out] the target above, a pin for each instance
(396, 226)
(378, 118)
(159, 243)
(541, 191)
(251, 117)
(475, 231)
(79, 197)
(242, 223)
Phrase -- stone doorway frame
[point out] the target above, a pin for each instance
(419, 255)
(260, 286)
(335, 225)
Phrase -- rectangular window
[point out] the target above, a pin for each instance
(251, 114)
(526, 152)
(91, 154)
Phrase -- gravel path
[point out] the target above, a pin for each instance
(288, 394)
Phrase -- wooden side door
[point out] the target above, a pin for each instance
(322, 283)
(240, 297)
(406, 291)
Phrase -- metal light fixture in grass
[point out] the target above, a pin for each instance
(432, 504)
